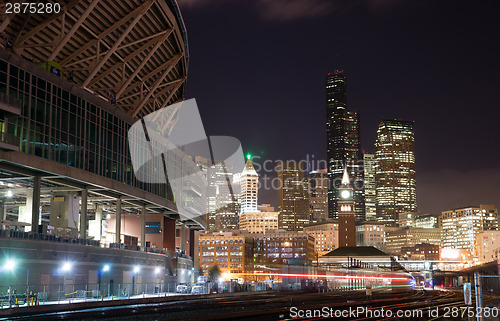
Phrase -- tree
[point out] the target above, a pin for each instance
(214, 274)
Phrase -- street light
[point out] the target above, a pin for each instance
(157, 270)
(66, 267)
(9, 265)
(135, 271)
(105, 268)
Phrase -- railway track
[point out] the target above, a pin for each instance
(246, 306)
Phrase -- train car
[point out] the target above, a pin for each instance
(357, 278)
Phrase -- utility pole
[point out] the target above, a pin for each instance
(477, 283)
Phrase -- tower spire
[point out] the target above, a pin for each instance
(345, 177)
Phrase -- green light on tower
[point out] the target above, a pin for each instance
(249, 156)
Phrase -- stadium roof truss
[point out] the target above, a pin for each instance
(131, 50)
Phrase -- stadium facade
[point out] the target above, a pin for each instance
(71, 85)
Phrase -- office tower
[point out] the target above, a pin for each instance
(222, 205)
(347, 218)
(395, 180)
(370, 192)
(460, 226)
(249, 188)
(293, 199)
(318, 194)
(343, 144)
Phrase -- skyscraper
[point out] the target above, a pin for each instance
(347, 220)
(370, 191)
(395, 179)
(343, 145)
(222, 204)
(293, 198)
(318, 194)
(249, 181)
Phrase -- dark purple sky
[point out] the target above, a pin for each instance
(257, 70)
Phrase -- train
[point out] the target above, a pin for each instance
(343, 279)
(359, 279)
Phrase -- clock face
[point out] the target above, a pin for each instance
(345, 194)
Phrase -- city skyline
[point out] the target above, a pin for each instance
(392, 73)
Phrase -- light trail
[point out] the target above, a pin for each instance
(323, 276)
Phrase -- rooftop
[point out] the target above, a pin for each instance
(357, 251)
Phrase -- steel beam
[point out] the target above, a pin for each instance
(118, 42)
(72, 31)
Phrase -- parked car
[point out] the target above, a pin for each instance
(198, 289)
(183, 288)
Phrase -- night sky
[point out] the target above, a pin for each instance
(257, 70)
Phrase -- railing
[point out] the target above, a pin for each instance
(85, 242)
(10, 139)
(48, 238)
(11, 101)
(63, 293)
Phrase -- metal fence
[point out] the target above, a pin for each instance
(20, 295)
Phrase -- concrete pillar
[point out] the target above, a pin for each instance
(35, 209)
(168, 232)
(183, 238)
(192, 242)
(3, 210)
(98, 218)
(83, 215)
(143, 226)
(118, 227)
(64, 212)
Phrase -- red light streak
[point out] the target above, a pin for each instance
(331, 276)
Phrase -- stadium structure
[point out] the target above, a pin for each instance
(72, 83)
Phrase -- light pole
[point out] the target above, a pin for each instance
(66, 267)
(136, 270)
(104, 269)
(9, 266)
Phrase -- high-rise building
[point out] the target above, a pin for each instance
(343, 144)
(249, 180)
(396, 185)
(459, 226)
(318, 194)
(347, 218)
(370, 191)
(222, 204)
(293, 199)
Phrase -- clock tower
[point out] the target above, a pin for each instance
(347, 214)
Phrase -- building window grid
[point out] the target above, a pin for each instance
(59, 126)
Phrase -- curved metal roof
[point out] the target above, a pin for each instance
(134, 50)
